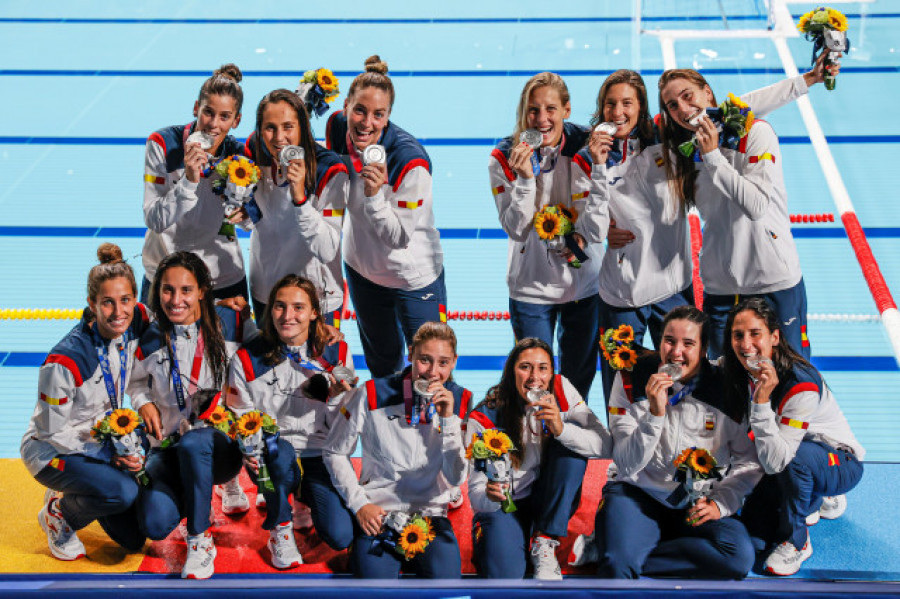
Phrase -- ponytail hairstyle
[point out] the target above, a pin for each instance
(274, 352)
(307, 142)
(504, 397)
(784, 357)
(209, 325)
(375, 75)
(681, 171)
(645, 133)
(225, 81)
(111, 266)
(545, 79)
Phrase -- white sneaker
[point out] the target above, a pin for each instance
(584, 551)
(612, 471)
(302, 516)
(833, 507)
(283, 548)
(813, 518)
(543, 559)
(234, 500)
(260, 501)
(785, 560)
(63, 542)
(457, 500)
(201, 557)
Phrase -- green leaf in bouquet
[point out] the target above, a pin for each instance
(687, 148)
(480, 450)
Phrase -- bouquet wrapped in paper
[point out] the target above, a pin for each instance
(827, 29)
(616, 346)
(255, 433)
(489, 452)
(407, 534)
(238, 176)
(696, 469)
(555, 225)
(121, 429)
(318, 88)
(733, 119)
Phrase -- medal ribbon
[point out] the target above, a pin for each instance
(685, 391)
(195, 371)
(107, 371)
(302, 362)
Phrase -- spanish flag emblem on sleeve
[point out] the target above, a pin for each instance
(345, 412)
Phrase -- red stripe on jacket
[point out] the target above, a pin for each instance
(68, 363)
(329, 175)
(798, 388)
(410, 166)
(504, 164)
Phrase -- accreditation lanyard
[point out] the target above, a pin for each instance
(195, 371)
(685, 391)
(412, 413)
(101, 348)
(301, 361)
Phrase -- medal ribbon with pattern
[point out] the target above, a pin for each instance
(101, 348)
(195, 371)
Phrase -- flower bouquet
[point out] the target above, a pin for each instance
(489, 452)
(733, 119)
(408, 535)
(556, 226)
(617, 350)
(249, 431)
(221, 419)
(827, 29)
(318, 88)
(695, 469)
(238, 179)
(120, 429)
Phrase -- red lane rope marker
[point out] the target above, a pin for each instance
(696, 246)
(877, 285)
(826, 217)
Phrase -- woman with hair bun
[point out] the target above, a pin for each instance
(83, 377)
(181, 210)
(392, 249)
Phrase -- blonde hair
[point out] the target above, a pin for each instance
(433, 330)
(375, 75)
(545, 79)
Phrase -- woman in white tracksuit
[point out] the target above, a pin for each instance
(83, 377)
(552, 440)
(548, 299)
(810, 455)
(288, 372)
(413, 457)
(302, 206)
(748, 249)
(181, 364)
(392, 248)
(181, 210)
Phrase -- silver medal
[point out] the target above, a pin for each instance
(756, 362)
(532, 137)
(342, 373)
(535, 394)
(608, 128)
(421, 388)
(374, 154)
(673, 370)
(289, 153)
(205, 140)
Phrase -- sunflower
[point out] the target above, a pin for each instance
(546, 224)
(497, 441)
(623, 334)
(326, 80)
(837, 20)
(570, 212)
(701, 462)
(624, 358)
(413, 540)
(606, 355)
(737, 102)
(249, 423)
(682, 458)
(123, 421)
(241, 172)
(801, 24)
(220, 415)
(749, 122)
